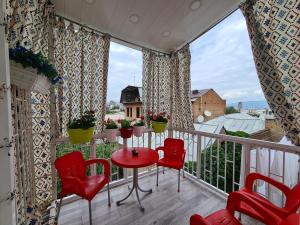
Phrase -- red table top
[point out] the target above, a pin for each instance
(124, 158)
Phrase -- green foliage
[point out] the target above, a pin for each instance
(230, 110)
(139, 123)
(237, 133)
(86, 121)
(29, 59)
(110, 124)
(125, 123)
(227, 152)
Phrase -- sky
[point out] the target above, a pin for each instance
(220, 59)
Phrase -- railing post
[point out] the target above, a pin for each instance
(198, 170)
(93, 156)
(245, 163)
(170, 133)
(125, 170)
(150, 139)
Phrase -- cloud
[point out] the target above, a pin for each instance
(221, 59)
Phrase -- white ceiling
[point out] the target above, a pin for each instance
(156, 17)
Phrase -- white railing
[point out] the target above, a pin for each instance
(217, 160)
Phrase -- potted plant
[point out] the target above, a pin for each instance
(126, 129)
(81, 129)
(138, 127)
(158, 121)
(111, 130)
(31, 71)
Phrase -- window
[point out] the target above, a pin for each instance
(137, 112)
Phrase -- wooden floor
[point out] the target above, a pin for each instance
(165, 206)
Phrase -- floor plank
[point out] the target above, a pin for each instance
(165, 206)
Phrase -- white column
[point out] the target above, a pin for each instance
(7, 207)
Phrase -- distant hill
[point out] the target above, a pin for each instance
(251, 105)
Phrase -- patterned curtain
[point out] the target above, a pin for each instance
(166, 86)
(29, 25)
(274, 32)
(81, 58)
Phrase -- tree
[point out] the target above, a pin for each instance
(230, 110)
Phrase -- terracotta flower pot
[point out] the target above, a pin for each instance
(126, 132)
(111, 135)
(80, 136)
(138, 130)
(158, 127)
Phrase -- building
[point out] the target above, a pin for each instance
(131, 98)
(207, 104)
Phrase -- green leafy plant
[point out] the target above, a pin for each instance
(29, 59)
(110, 124)
(139, 123)
(86, 121)
(125, 123)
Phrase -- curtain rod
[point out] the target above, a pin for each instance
(114, 37)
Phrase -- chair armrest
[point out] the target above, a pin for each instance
(257, 176)
(104, 162)
(198, 220)
(235, 199)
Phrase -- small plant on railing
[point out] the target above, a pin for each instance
(126, 129)
(111, 130)
(139, 127)
(81, 129)
(158, 121)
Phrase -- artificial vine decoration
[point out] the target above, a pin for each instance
(29, 59)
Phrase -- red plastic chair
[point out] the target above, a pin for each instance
(226, 216)
(174, 155)
(72, 171)
(292, 198)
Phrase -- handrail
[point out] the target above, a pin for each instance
(242, 140)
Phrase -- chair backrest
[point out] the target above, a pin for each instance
(293, 199)
(71, 164)
(174, 148)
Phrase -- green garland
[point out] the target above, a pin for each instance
(29, 59)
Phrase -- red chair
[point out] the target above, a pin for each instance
(174, 155)
(292, 198)
(226, 216)
(72, 171)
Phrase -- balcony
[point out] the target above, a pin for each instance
(208, 179)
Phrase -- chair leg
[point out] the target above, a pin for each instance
(58, 210)
(90, 213)
(163, 170)
(157, 176)
(183, 174)
(178, 180)
(108, 194)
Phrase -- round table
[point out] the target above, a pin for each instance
(125, 159)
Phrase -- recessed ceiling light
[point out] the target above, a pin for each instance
(195, 5)
(166, 33)
(134, 18)
(89, 1)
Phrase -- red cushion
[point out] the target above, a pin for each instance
(171, 163)
(222, 217)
